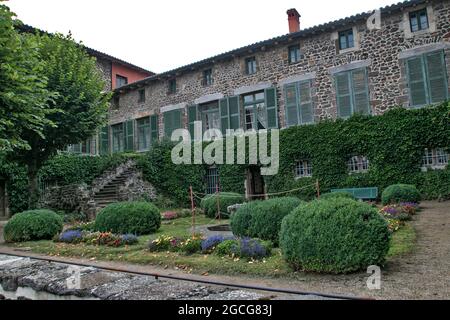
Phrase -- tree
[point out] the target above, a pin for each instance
(24, 96)
(81, 106)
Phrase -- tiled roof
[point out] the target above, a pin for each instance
(274, 41)
(93, 52)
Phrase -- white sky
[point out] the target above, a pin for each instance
(162, 35)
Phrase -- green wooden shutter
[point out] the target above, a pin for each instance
(154, 128)
(104, 141)
(172, 121)
(234, 113)
(129, 135)
(360, 92)
(224, 115)
(305, 101)
(416, 79)
(437, 77)
(192, 117)
(343, 95)
(291, 100)
(271, 108)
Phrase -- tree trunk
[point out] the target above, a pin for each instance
(33, 185)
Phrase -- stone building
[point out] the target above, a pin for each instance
(368, 63)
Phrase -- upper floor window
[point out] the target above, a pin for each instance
(116, 101)
(352, 92)
(172, 86)
(358, 164)
(121, 81)
(141, 94)
(294, 54)
(207, 77)
(298, 101)
(427, 79)
(250, 65)
(303, 169)
(435, 158)
(346, 39)
(419, 20)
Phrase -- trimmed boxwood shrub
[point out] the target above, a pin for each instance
(334, 195)
(226, 199)
(33, 225)
(334, 236)
(137, 218)
(400, 193)
(266, 219)
(241, 220)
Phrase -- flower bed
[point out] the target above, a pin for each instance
(96, 238)
(396, 215)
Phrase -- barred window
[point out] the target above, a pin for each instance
(303, 169)
(212, 180)
(435, 158)
(358, 164)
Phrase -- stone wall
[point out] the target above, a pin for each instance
(380, 48)
(70, 198)
(105, 68)
(136, 188)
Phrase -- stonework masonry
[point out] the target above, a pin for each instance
(380, 49)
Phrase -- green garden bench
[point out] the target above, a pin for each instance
(361, 193)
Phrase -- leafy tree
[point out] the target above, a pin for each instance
(81, 106)
(23, 87)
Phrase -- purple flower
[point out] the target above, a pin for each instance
(213, 241)
(71, 236)
(129, 239)
(250, 248)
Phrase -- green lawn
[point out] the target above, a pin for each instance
(274, 266)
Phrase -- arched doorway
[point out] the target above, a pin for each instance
(255, 185)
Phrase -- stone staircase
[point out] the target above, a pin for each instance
(110, 192)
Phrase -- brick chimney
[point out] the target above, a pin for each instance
(294, 20)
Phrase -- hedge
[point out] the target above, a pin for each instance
(138, 218)
(334, 236)
(210, 203)
(33, 225)
(400, 193)
(334, 195)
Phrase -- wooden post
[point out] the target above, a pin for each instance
(218, 202)
(193, 211)
(318, 189)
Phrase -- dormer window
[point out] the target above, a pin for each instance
(419, 20)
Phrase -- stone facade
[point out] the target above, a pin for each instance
(379, 47)
(105, 68)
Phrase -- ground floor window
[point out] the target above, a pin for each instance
(303, 169)
(87, 147)
(144, 133)
(358, 164)
(210, 116)
(255, 111)
(212, 180)
(117, 138)
(435, 158)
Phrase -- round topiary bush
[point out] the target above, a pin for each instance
(33, 225)
(266, 219)
(136, 218)
(400, 193)
(225, 199)
(334, 236)
(334, 195)
(241, 220)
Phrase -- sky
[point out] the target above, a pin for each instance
(166, 34)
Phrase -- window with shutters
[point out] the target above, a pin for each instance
(143, 133)
(118, 138)
(418, 20)
(346, 39)
(427, 79)
(352, 93)
(255, 111)
(230, 114)
(250, 65)
(172, 86)
(154, 125)
(303, 169)
(435, 159)
(86, 148)
(294, 54)
(210, 116)
(207, 77)
(104, 141)
(298, 103)
(212, 180)
(358, 164)
(172, 121)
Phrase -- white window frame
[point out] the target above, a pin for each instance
(435, 159)
(303, 169)
(358, 164)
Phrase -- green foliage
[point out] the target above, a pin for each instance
(223, 200)
(393, 142)
(33, 225)
(139, 218)
(333, 195)
(170, 180)
(262, 219)
(191, 246)
(400, 193)
(23, 87)
(226, 248)
(334, 236)
(16, 185)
